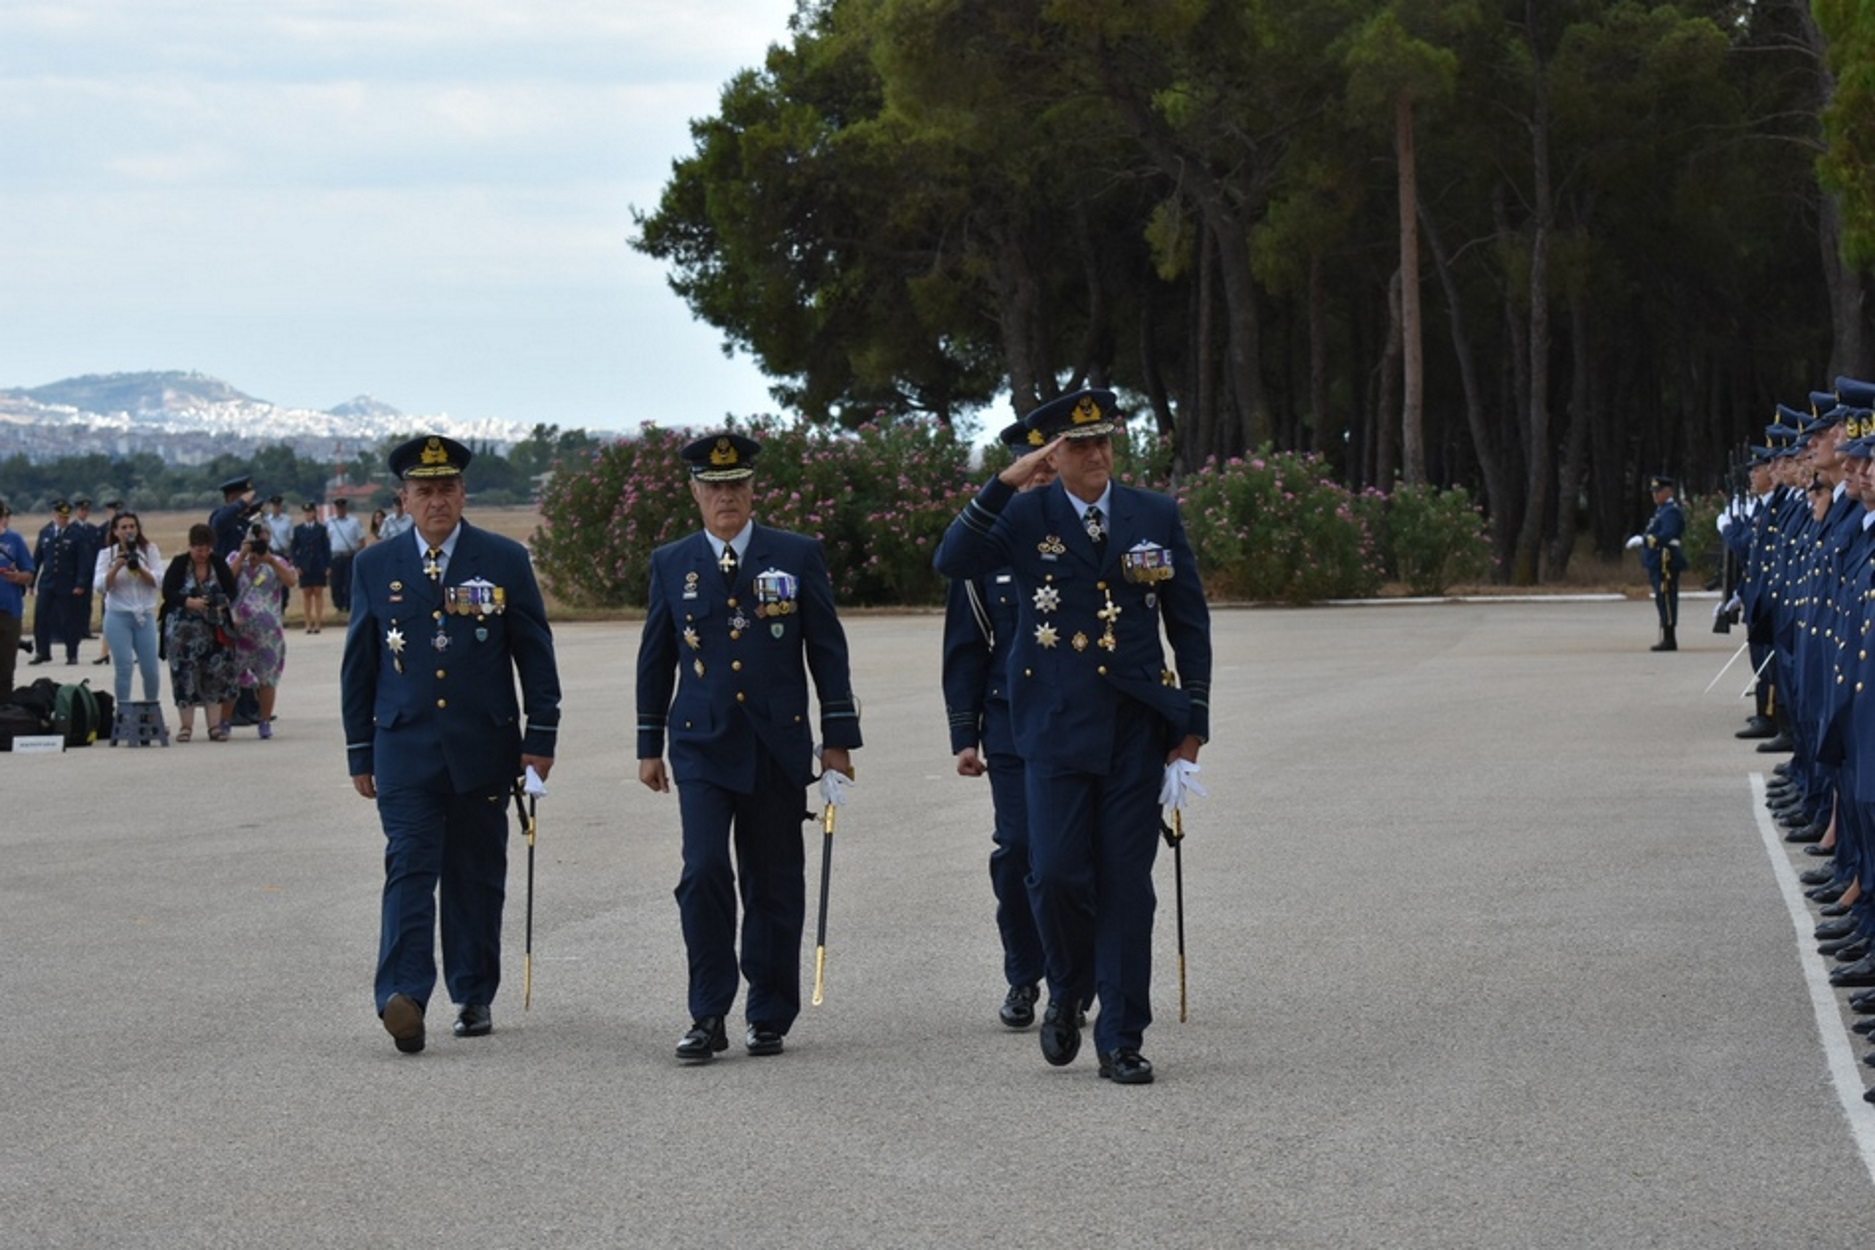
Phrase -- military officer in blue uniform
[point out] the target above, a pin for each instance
(1100, 570)
(979, 633)
(229, 521)
(1663, 557)
(446, 621)
(739, 617)
(61, 586)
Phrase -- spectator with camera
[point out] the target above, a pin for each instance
(259, 630)
(126, 577)
(198, 588)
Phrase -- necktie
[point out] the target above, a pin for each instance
(433, 563)
(1096, 528)
(728, 565)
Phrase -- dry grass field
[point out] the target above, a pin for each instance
(170, 532)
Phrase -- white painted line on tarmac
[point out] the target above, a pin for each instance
(1844, 1071)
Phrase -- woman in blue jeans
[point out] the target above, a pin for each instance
(128, 577)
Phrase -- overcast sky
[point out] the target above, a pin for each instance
(426, 201)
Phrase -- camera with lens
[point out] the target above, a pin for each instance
(132, 557)
(257, 540)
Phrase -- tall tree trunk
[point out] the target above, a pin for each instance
(1575, 465)
(1412, 354)
(1318, 357)
(1537, 434)
(1851, 293)
(1389, 370)
(1499, 494)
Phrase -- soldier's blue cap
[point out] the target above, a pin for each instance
(1822, 404)
(59, 505)
(80, 502)
(1018, 434)
(428, 456)
(1661, 481)
(235, 485)
(1859, 427)
(1090, 412)
(1855, 393)
(721, 457)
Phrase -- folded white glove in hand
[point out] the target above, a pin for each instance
(1635, 541)
(533, 784)
(833, 787)
(1179, 788)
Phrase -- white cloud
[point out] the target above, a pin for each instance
(200, 177)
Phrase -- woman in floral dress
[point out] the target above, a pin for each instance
(259, 635)
(192, 623)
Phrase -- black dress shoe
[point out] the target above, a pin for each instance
(1818, 876)
(762, 1040)
(403, 1020)
(1833, 910)
(1018, 1009)
(1819, 850)
(1758, 727)
(705, 1038)
(1859, 973)
(1773, 746)
(1809, 833)
(1864, 1027)
(1830, 930)
(1826, 893)
(1061, 1032)
(1863, 1003)
(1838, 947)
(1126, 1067)
(475, 1020)
(39, 659)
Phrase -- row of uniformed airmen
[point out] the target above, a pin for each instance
(1805, 540)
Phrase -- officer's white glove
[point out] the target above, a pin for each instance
(1725, 521)
(833, 787)
(1733, 604)
(1635, 541)
(533, 784)
(1179, 788)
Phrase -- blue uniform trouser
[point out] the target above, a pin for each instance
(1092, 841)
(1009, 872)
(769, 876)
(1666, 584)
(436, 837)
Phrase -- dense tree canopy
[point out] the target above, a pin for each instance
(1538, 248)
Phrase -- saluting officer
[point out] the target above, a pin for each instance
(979, 633)
(444, 621)
(1663, 557)
(1100, 568)
(739, 616)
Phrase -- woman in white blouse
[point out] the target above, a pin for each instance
(128, 578)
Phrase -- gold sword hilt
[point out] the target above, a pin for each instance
(820, 975)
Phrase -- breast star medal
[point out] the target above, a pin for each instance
(1047, 599)
(1046, 636)
(690, 636)
(394, 639)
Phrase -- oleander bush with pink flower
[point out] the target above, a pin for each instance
(1272, 526)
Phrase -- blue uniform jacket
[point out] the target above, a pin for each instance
(980, 617)
(1069, 676)
(1663, 534)
(60, 556)
(720, 673)
(405, 702)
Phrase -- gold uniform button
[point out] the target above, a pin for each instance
(1100, 585)
(437, 615)
(440, 674)
(734, 634)
(732, 602)
(1102, 670)
(741, 698)
(442, 703)
(736, 665)
(797, 720)
(1028, 672)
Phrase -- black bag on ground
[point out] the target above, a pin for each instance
(18, 722)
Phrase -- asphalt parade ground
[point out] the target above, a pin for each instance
(1488, 945)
